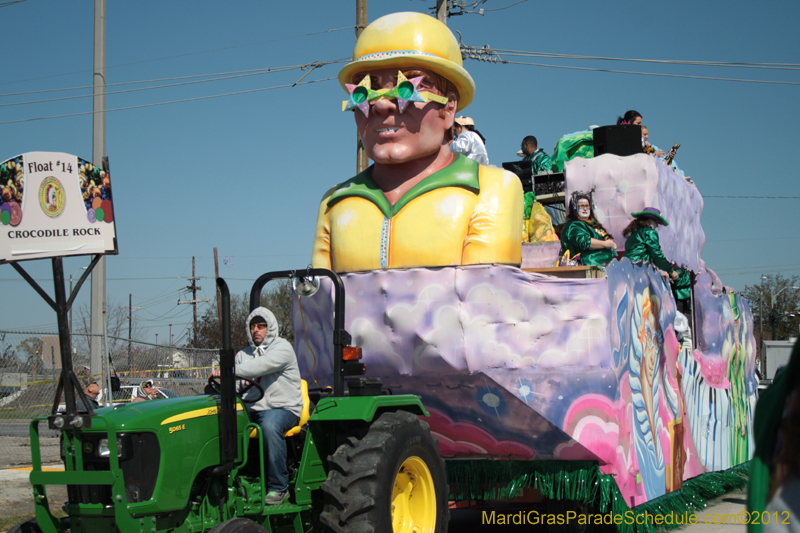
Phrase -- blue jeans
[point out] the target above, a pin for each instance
(274, 425)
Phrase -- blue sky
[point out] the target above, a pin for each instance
(245, 172)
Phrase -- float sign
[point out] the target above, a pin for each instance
(53, 205)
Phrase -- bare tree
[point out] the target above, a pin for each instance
(8, 355)
(116, 329)
(278, 300)
(30, 347)
(30, 350)
(776, 302)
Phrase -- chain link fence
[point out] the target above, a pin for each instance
(30, 366)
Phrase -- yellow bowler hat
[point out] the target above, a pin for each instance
(409, 39)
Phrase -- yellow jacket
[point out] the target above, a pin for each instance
(465, 214)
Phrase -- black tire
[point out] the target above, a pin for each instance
(238, 525)
(358, 494)
(26, 526)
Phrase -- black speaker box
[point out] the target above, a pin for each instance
(618, 140)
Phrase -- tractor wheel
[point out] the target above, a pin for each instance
(26, 526)
(238, 525)
(392, 479)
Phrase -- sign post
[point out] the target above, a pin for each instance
(54, 205)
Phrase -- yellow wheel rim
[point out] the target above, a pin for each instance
(413, 498)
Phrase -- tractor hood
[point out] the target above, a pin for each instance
(156, 414)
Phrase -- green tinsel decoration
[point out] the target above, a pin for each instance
(529, 198)
(582, 481)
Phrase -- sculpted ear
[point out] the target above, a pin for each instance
(449, 109)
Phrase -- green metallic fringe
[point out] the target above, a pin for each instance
(529, 198)
(582, 481)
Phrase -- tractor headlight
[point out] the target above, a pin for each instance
(103, 450)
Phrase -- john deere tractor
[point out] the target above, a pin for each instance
(361, 460)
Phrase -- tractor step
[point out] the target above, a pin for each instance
(284, 508)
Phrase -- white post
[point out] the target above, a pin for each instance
(98, 297)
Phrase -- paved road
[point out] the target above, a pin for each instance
(19, 428)
(16, 451)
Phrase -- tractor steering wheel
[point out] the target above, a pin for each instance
(214, 384)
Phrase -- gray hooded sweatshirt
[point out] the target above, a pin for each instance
(273, 365)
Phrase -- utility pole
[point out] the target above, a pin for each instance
(762, 357)
(219, 302)
(130, 328)
(441, 10)
(98, 296)
(194, 308)
(194, 301)
(361, 22)
(130, 333)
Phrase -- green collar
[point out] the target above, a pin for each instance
(462, 172)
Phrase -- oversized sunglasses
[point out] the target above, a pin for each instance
(258, 327)
(405, 91)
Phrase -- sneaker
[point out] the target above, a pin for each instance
(276, 498)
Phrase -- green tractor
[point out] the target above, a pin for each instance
(362, 461)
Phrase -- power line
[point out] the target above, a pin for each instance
(315, 64)
(762, 266)
(171, 102)
(726, 274)
(640, 73)
(492, 55)
(772, 66)
(180, 310)
(234, 76)
(120, 279)
(181, 55)
(759, 197)
(753, 239)
(502, 8)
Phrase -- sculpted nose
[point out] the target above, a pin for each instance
(384, 106)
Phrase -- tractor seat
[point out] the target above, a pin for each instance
(304, 414)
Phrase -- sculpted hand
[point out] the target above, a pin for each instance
(674, 274)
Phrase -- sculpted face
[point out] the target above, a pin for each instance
(390, 137)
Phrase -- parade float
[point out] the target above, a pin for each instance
(577, 386)
(576, 382)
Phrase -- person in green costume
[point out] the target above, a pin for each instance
(682, 290)
(642, 243)
(583, 234)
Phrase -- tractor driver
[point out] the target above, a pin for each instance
(271, 362)
(419, 204)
